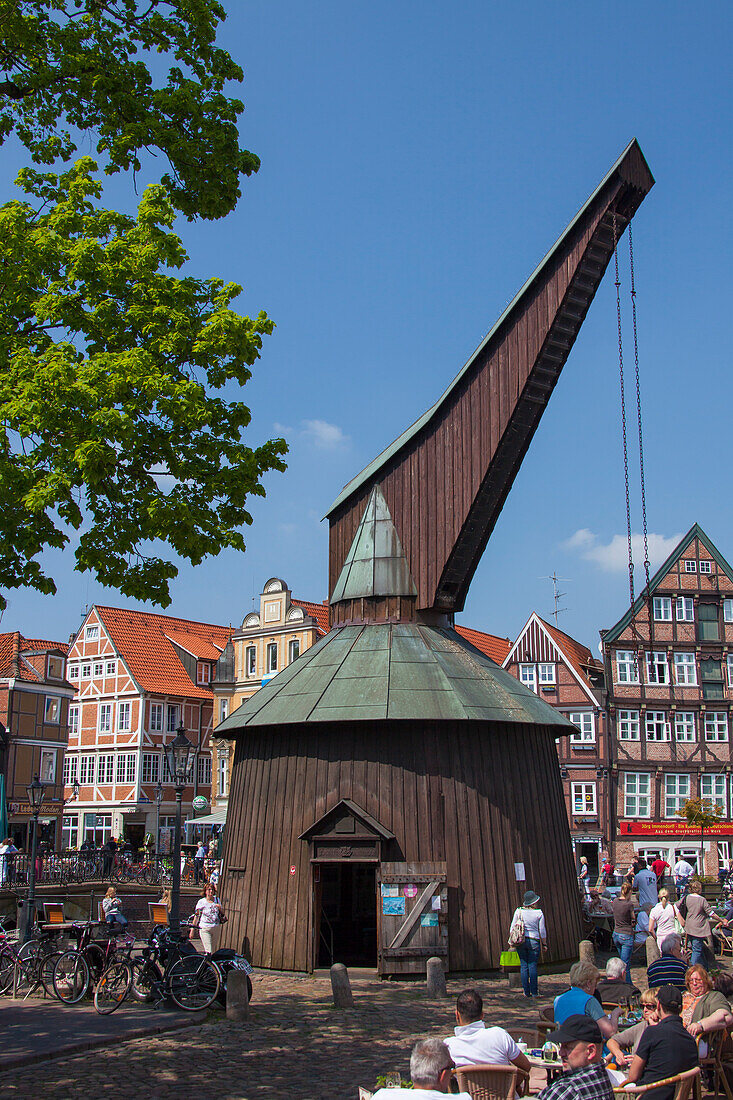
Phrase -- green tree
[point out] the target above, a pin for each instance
(703, 814)
(110, 362)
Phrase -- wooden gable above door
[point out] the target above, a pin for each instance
(346, 832)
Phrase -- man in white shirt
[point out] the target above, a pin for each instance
(431, 1072)
(682, 871)
(645, 883)
(473, 1043)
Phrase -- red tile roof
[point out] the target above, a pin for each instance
(577, 653)
(201, 648)
(490, 644)
(317, 611)
(13, 645)
(140, 639)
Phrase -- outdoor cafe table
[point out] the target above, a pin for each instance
(553, 1069)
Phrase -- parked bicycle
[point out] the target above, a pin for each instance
(76, 968)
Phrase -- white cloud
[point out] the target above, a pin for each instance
(325, 436)
(282, 430)
(613, 556)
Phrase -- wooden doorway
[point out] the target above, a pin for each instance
(413, 916)
(347, 916)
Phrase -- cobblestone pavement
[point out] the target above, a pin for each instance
(296, 1046)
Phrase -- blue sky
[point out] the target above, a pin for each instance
(418, 159)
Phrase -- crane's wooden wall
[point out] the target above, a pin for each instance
(480, 796)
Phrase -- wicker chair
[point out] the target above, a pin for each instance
(486, 1082)
(683, 1082)
(713, 1062)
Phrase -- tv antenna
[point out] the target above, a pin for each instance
(557, 594)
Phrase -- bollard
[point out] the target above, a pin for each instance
(237, 996)
(341, 986)
(586, 952)
(436, 978)
(652, 950)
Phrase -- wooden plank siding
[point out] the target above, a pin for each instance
(446, 485)
(459, 792)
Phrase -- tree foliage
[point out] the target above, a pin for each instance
(702, 813)
(75, 68)
(107, 422)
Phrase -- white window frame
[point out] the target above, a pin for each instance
(713, 789)
(203, 770)
(150, 767)
(271, 656)
(583, 799)
(110, 668)
(293, 650)
(546, 674)
(629, 725)
(69, 832)
(690, 566)
(250, 660)
(74, 720)
(222, 775)
(156, 718)
(47, 766)
(173, 717)
(585, 720)
(662, 609)
(126, 768)
(528, 676)
(124, 716)
(656, 726)
(105, 769)
(73, 672)
(685, 609)
(637, 794)
(705, 567)
(52, 710)
(203, 673)
(91, 634)
(716, 725)
(97, 669)
(104, 717)
(657, 667)
(676, 792)
(70, 770)
(729, 663)
(627, 667)
(684, 725)
(86, 770)
(86, 670)
(728, 611)
(223, 709)
(685, 669)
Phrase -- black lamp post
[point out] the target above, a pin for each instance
(35, 800)
(179, 758)
(158, 800)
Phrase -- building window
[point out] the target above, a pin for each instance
(730, 671)
(657, 669)
(70, 771)
(203, 672)
(712, 789)
(685, 609)
(53, 709)
(97, 828)
(272, 656)
(105, 717)
(546, 674)
(684, 725)
(173, 716)
(97, 669)
(73, 720)
(86, 770)
(126, 767)
(528, 676)
(663, 609)
(583, 797)
(684, 668)
(151, 767)
(716, 725)
(106, 769)
(656, 726)
(204, 770)
(628, 725)
(637, 786)
(708, 626)
(156, 717)
(706, 567)
(55, 668)
(86, 672)
(251, 660)
(711, 678)
(293, 650)
(222, 775)
(91, 633)
(690, 566)
(676, 793)
(70, 832)
(585, 721)
(223, 709)
(47, 769)
(123, 716)
(627, 671)
(110, 668)
(73, 672)
(728, 611)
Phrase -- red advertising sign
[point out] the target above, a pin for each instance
(671, 828)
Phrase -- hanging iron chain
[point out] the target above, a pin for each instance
(638, 410)
(623, 417)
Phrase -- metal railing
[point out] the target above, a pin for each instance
(92, 866)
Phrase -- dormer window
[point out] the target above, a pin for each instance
(91, 633)
(55, 668)
(203, 672)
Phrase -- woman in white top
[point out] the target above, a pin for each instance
(207, 918)
(535, 941)
(662, 918)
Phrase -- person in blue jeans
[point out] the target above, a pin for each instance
(534, 943)
(624, 921)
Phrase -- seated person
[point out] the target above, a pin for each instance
(112, 908)
(584, 1076)
(704, 1007)
(431, 1072)
(629, 1038)
(474, 1043)
(665, 1049)
(580, 999)
(670, 968)
(614, 988)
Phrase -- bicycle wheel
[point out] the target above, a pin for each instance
(194, 982)
(113, 987)
(48, 965)
(7, 968)
(145, 976)
(70, 977)
(30, 960)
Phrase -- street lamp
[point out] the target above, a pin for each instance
(74, 793)
(35, 792)
(179, 758)
(158, 800)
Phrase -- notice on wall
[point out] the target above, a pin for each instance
(435, 904)
(519, 872)
(390, 890)
(393, 907)
(429, 920)
(410, 891)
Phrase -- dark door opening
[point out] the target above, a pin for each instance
(348, 917)
(590, 851)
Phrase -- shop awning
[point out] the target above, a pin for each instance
(218, 818)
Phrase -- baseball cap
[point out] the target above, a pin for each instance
(669, 996)
(577, 1029)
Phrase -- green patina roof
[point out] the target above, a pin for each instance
(381, 459)
(375, 565)
(695, 532)
(392, 671)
